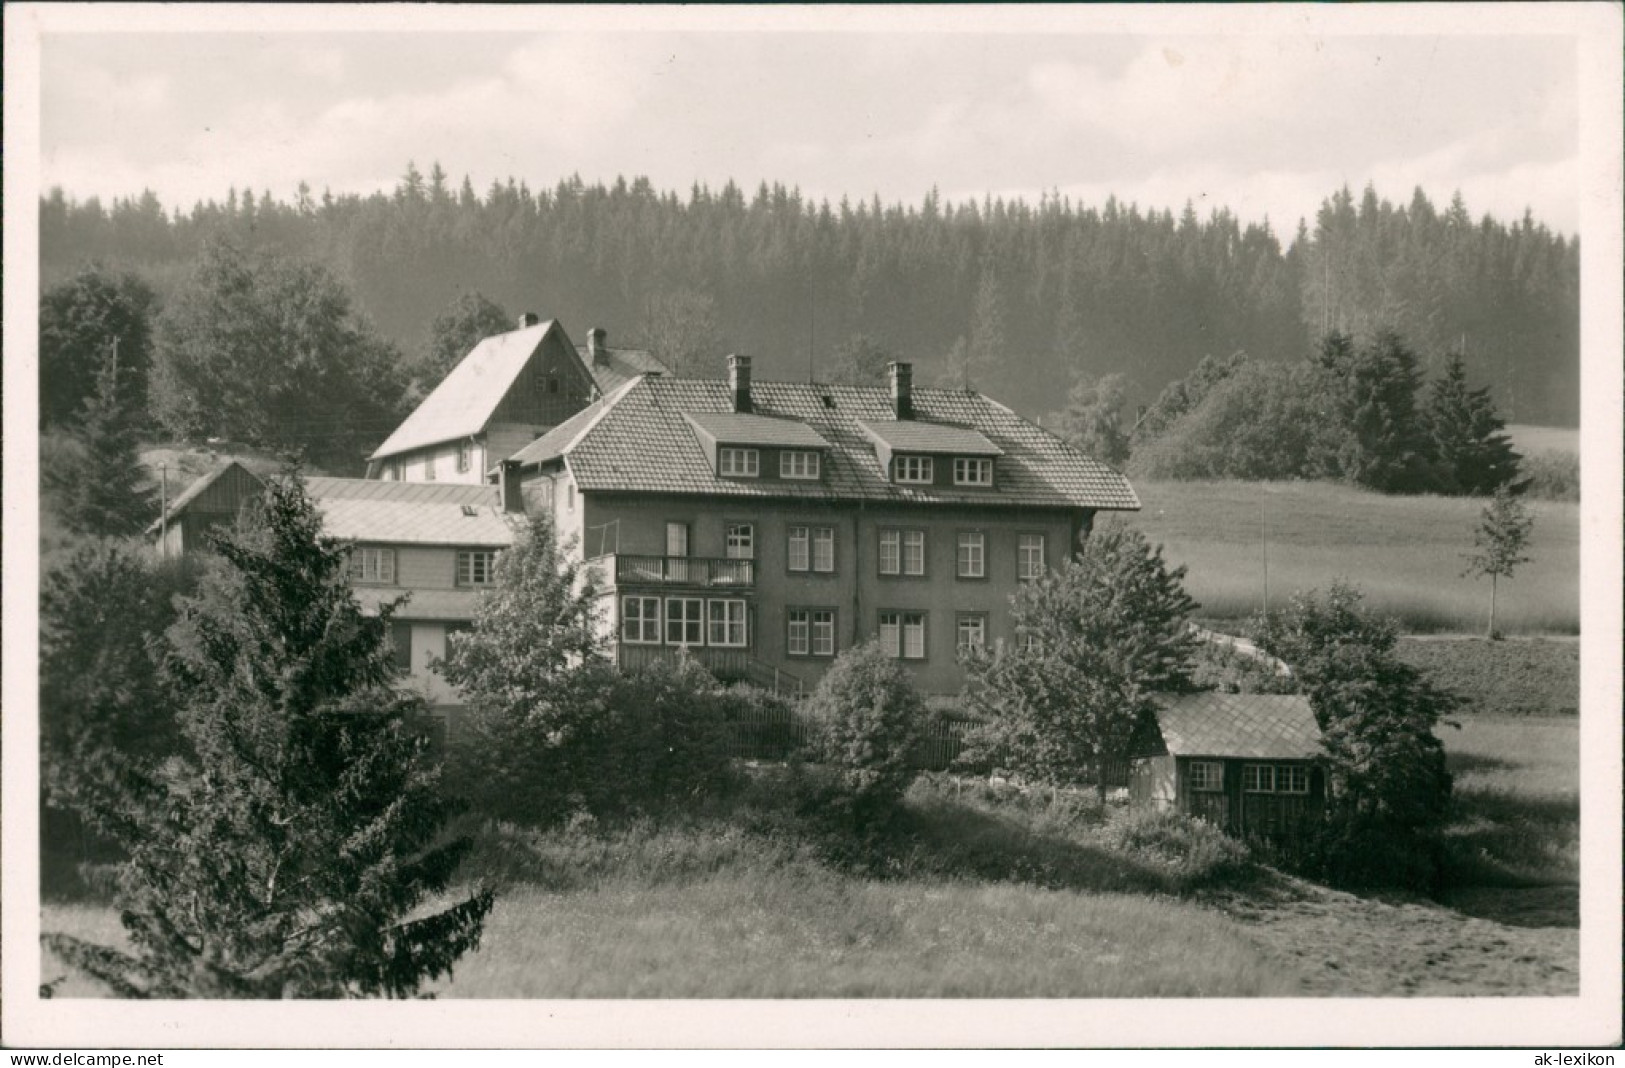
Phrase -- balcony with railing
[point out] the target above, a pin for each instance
(707, 572)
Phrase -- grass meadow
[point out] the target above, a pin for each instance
(1404, 553)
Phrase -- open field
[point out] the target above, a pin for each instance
(1405, 553)
(1531, 440)
(989, 892)
(1531, 677)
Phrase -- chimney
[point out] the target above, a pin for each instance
(902, 389)
(529, 319)
(596, 352)
(739, 382)
(513, 498)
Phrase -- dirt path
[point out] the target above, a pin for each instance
(1343, 944)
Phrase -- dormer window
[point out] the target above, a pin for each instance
(916, 469)
(739, 463)
(794, 463)
(973, 471)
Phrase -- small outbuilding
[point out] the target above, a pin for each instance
(1251, 764)
(212, 502)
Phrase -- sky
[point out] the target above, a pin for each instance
(1267, 124)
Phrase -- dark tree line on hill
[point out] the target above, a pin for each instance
(1012, 297)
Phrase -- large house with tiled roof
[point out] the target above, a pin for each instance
(763, 527)
(509, 389)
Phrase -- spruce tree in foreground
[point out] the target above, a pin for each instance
(283, 855)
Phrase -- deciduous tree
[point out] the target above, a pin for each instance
(1389, 789)
(1499, 543)
(82, 322)
(1093, 418)
(270, 351)
(1093, 641)
(470, 319)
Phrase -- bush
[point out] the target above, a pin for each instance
(1189, 853)
(637, 742)
(869, 723)
(1552, 476)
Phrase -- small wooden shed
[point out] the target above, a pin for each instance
(1252, 764)
(212, 501)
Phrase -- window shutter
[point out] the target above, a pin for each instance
(386, 566)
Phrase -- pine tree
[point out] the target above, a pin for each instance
(1469, 441)
(97, 482)
(283, 855)
(1499, 543)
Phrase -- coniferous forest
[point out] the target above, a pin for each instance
(1015, 298)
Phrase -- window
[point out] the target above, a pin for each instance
(799, 554)
(972, 555)
(973, 471)
(727, 623)
(797, 464)
(370, 564)
(1275, 778)
(569, 496)
(891, 552)
(684, 625)
(739, 463)
(1207, 775)
(913, 469)
(902, 552)
(476, 567)
(823, 549)
(465, 457)
(972, 633)
(1030, 557)
(812, 548)
(640, 620)
(401, 636)
(552, 385)
(741, 541)
(429, 463)
(902, 634)
(810, 632)
(913, 552)
(1028, 641)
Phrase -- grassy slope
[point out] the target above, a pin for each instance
(1405, 553)
(1529, 439)
(1534, 677)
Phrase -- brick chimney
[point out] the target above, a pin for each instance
(739, 382)
(597, 352)
(527, 319)
(902, 389)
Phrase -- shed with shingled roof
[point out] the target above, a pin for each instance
(1251, 764)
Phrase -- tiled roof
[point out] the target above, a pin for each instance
(1262, 726)
(452, 606)
(465, 399)
(911, 435)
(552, 445)
(192, 492)
(410, 513)
(638, 440)
(619, 366)
(732, 428)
